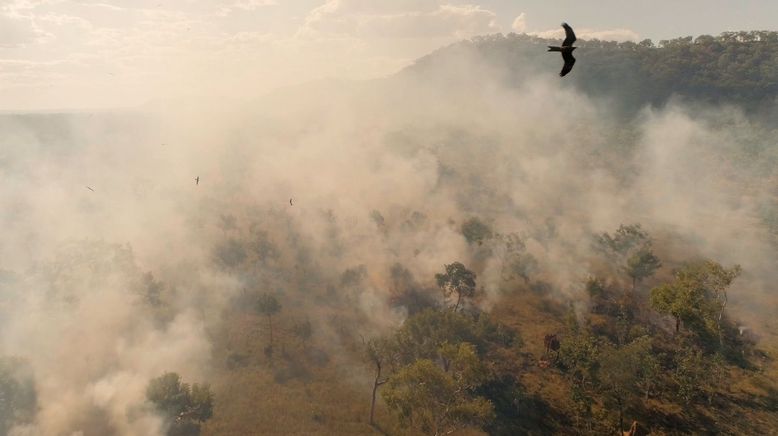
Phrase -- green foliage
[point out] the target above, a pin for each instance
(646, 365)
(423, 335)
(630, 247)
(157, 296)
(201, 402)
(476, 231)
(18, 400)
(595, 288)
(184, 406)
(624, 240)
(457, 279)
(438, 401)
(169, 395)
(642, 264)
(734, 67)
(578, 355)
(441, 365)
(696, 375)
(626, 372)
(697, 298)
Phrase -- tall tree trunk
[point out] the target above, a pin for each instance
(721, 315)
(459, 299)
(621, 417)
(677, 324)
(376, 383)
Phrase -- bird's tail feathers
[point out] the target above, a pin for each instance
(552, 48)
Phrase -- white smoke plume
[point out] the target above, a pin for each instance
(381, 172)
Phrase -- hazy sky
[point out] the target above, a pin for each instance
(109, 53)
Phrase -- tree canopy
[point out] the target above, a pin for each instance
(733, 67)
(697, 298)
(183, 405)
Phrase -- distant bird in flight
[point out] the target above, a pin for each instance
(197, 180)
(90, 189)
(566, 49)
(290, 202)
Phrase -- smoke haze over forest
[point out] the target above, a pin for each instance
(104, 289)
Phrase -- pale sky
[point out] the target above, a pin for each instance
(71, 54)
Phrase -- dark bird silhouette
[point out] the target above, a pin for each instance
(290, 202)
(197, 180)
(90, 189)
(566, 49)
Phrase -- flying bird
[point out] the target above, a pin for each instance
(90, 189)
(197, 180)
(290, 202)
(566, 49)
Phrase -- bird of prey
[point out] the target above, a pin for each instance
(197, 180)
(566, 49)
(290, 202)
(90, 189)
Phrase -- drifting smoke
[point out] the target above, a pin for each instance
(381, 172)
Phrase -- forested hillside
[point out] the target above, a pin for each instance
(472, 246)
(539, 325)
(735, 67)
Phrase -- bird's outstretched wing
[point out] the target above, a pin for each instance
(569, 62)
(569, 35)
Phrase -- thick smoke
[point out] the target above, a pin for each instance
(381, 172)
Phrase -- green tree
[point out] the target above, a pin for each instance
(697, 297)
(624, 372)
(377, 352)
(201, 402)
(456, 279)
(476, 231)
(696, 375)
(268, 306)
(423, 335)
(630, 247)
(578, 354)
(169, 395)
(184, 406)
(642, 264)
(624, 240)
(428, 398)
